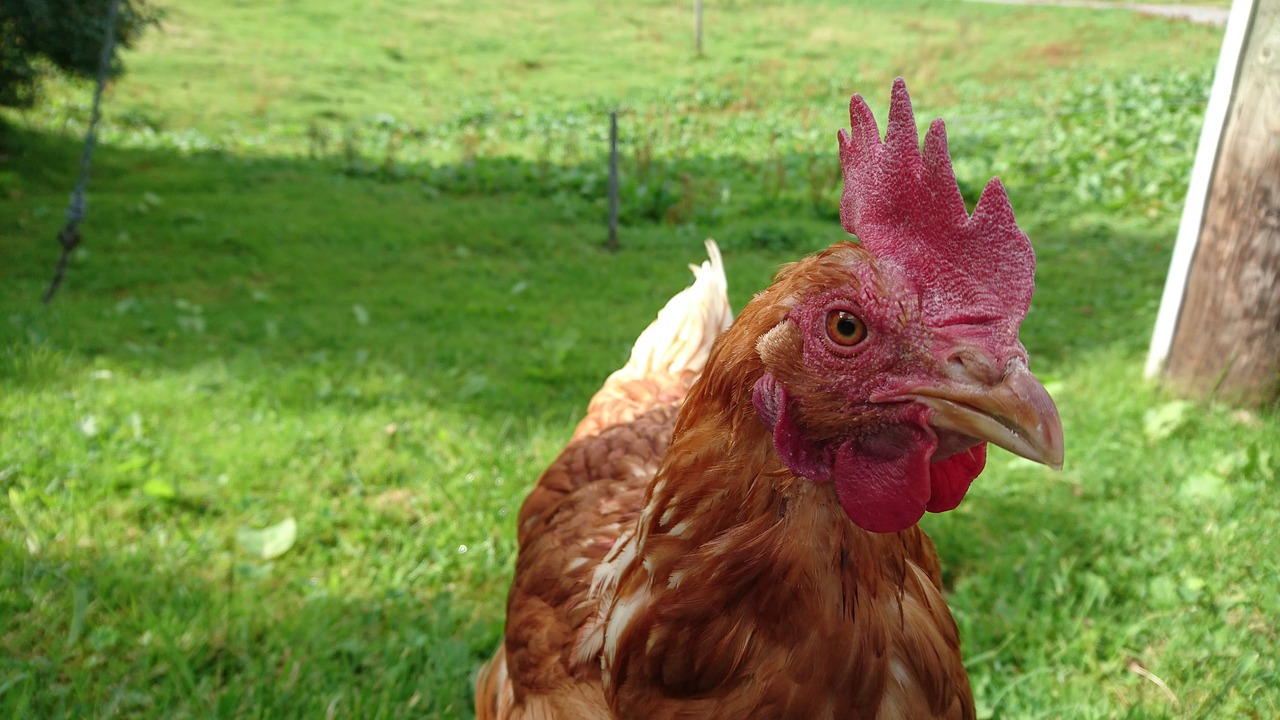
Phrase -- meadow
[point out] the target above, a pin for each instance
(344, 294)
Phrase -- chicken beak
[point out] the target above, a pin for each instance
(1016, 413)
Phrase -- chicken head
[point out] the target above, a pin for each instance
(894, 362)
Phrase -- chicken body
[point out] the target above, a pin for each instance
(728, 588)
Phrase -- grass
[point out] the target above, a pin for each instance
(346, 269)
(246, 65)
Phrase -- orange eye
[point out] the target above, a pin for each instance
(845, 328)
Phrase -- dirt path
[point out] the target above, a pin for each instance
(1194, 13)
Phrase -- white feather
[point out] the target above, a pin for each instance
(680, 338)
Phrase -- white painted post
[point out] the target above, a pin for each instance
(1184, 250)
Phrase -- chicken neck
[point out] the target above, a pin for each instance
(743, 578)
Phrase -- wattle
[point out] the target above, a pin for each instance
(951, 478)
(883, 480)
(886, 482)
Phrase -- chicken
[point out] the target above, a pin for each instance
(761, 558)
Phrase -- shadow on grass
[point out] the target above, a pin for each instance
(498, 303)
(485, 278)
(132, 639)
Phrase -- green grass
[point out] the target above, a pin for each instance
(248, 65)
(346, 268)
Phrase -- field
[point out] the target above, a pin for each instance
(344, 274)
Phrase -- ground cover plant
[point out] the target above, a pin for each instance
(345, 269)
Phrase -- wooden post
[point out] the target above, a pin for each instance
(613, 181)
(1218, 333)
(697, 25)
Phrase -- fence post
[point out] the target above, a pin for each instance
(613, 181)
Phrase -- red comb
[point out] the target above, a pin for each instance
(906, 209)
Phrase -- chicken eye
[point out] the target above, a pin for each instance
(845, 328)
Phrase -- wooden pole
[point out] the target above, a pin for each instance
(1215, 117)
(1225, 340)
(613, 181)
(697, 25)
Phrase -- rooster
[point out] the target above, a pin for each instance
(745, 546)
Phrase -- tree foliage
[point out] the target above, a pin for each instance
(40, 36)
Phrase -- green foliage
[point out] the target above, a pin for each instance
(1121, 146)
(364, 290)
(63, 34)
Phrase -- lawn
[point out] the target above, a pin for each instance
(347, 270)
